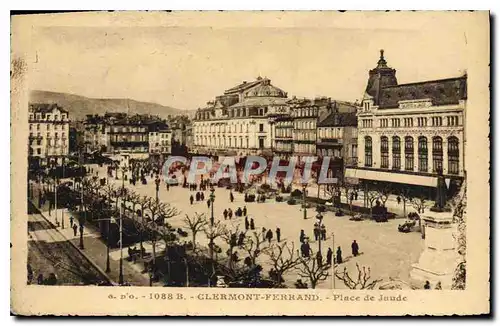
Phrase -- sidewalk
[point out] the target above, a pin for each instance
(94, 247)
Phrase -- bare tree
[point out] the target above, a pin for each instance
(196, 224)
(404, 194)
(349, 191)
(159, 213)
(213, 232)
(309, 268)
(372, 196)
(283, 258)
(252, 246)
(362, 282)
(419, 204)
(384, 193)
(230, 236)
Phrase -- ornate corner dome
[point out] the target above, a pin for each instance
(265, 89)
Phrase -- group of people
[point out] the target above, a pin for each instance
(199, 196)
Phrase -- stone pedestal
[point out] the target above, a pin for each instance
(439, 259)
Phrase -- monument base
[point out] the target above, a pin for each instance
(439, 259)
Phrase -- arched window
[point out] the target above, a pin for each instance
(422, 154)
(409, 153)
(396, 153)
(368, 151)
(384, 152)
(437, 154)
(453, 155)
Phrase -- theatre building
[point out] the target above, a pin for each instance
(410, 133)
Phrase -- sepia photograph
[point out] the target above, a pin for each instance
(208, 159)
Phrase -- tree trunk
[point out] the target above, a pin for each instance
(194, 240)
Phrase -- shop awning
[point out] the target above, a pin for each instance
(391, 176)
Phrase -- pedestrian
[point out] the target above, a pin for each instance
(247, 224)
(231, 196)
(355, 248)
(252, 224)
(81, 229)
(191, 199)
(263, 233)
(278, 234)
(356, 195)
(399, 200)
(197, 196)
(168, 186)
(71, 219)
(230, 213)
(303, 250)
(319, 259)
(323, 232)
(75, 228)
(269, 235)
(316, 231)
(308, 249)
(208, 203)
(244, 211)
(339, 255)
(329, 255)
(427, 285)
(302, 236)
(202, 196)
(225, 214)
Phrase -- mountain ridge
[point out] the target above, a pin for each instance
(79, 106)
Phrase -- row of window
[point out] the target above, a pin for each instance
(305, 148)
(38, 126)
(367, 123)
(437, 153)
(48, 135)
(305, 135)
(335, 133)
(408, 122)
(284, 133)
(52, 151)
(127, 129)
(304, 124)
(48, 117)
(211, 128)
(304, 112)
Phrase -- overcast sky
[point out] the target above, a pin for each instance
(184, 67)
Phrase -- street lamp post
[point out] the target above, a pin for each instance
(304, 185)
(319, 217)
(120, 277)
(157, 183)
(333, 262)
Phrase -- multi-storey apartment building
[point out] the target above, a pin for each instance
(410, 133)
(237, 122)
(337, 139)
(305, 113)
(48, 134)
(119, 133)
(160, 139)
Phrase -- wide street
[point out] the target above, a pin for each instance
(386, 251)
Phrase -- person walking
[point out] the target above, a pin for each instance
(231, 196)
(316, 231)
(339, 256)
(197, 196)
(71, 219)
(225, 214)
(323, 232)
(247, 225)
(355, 248)
(329, 255)
(208, 203)
(302, 236)
(202, 196)
(427, 285)
(244, 211)
(269, 235)
(252, 224)
(230, 213)
(191, 199)
(75, 229)
(278, 234)
(264, 233)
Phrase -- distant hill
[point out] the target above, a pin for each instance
(79, 106)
